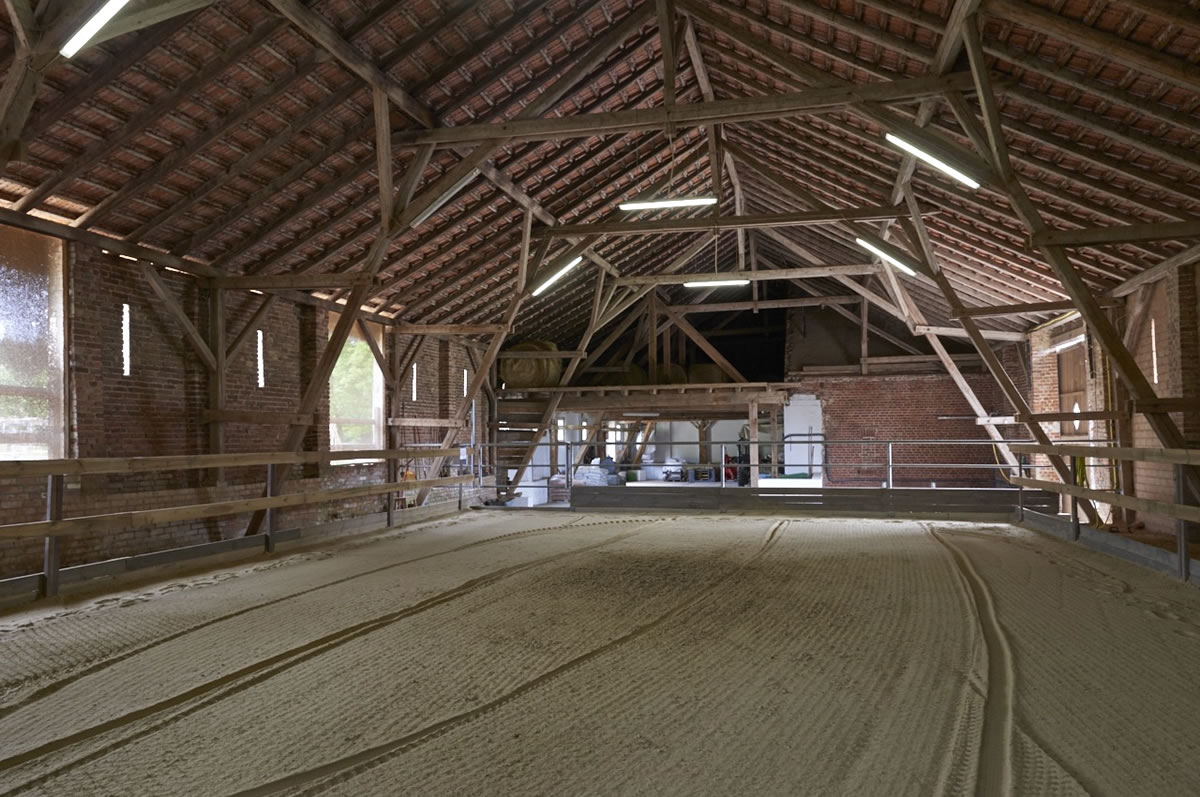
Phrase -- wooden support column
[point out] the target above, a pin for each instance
(698, 338)
(652, 323)
(862, 320)
(775, 444)
(753, 443)
(704, 435)
(1123, 362)
(216, 379)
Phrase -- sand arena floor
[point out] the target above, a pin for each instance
(551, 653)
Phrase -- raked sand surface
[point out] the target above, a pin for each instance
(553, 653)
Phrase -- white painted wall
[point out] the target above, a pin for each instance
(801, 415)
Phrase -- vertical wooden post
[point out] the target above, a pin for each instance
(1182, 549)
(775, 448)
(666, 344)
(51, 552)
(269, 518)
(652, 322)
(862, 315)
(216, 380)
(552, 436)
(753, 443)
(1074, 500)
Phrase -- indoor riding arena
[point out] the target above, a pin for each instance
(600, 397)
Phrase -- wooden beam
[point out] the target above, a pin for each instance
(20, 16)
(260, 417)
(1157, 272)
(766, 304)
(1016, 309)
(1056, 417)
(713, 224)
(376, 352)
(811, 272)
(140, 18)
(541, 355)
(1123, 362)
(957, 332)
(442, 423)
(805, 72)
(1129, 54)
(324, 34)
(172, 307)
(299, 282)
(251, 325)
(698, 338)
(726, 111)
(666, 24)
(1168, 404)
(405, 328)
(1126, 233)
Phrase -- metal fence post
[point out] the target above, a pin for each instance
(570, 463)
(51, 553)
(1074, 499)
(722, 465)
(1181, 527)
(269, 518)
(890, 483)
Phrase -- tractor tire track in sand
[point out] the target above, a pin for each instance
(263, 669)
(319, 778)
(995, 774)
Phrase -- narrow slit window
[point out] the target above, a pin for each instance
(414, 381)
(1153, 351)
(125, 341)
(262, 373)
(464, 383)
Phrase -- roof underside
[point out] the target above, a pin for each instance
(228, 137)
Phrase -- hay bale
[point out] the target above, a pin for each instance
(675, 375)
(706, 374)
(523, 374)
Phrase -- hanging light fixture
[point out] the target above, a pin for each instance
(715, 283)
(680, 202)
(92, 27)
(933, 161)
(557, 276)
(880, 253)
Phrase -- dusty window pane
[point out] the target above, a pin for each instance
(31, 346)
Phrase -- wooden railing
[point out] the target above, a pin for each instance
(55, 526)
(1181, 512)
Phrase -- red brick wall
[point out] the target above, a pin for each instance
(905, 408)
(157, 410)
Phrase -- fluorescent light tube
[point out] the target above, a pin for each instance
(936, 163)
(875, 250)
(682, 202)
(1068, 343)
(715, 283)
(92, 27)
(557, 276)
(641, 414)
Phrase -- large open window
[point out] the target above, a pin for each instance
(356, 392)
(32, 408)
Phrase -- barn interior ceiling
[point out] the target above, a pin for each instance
(238, 138)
